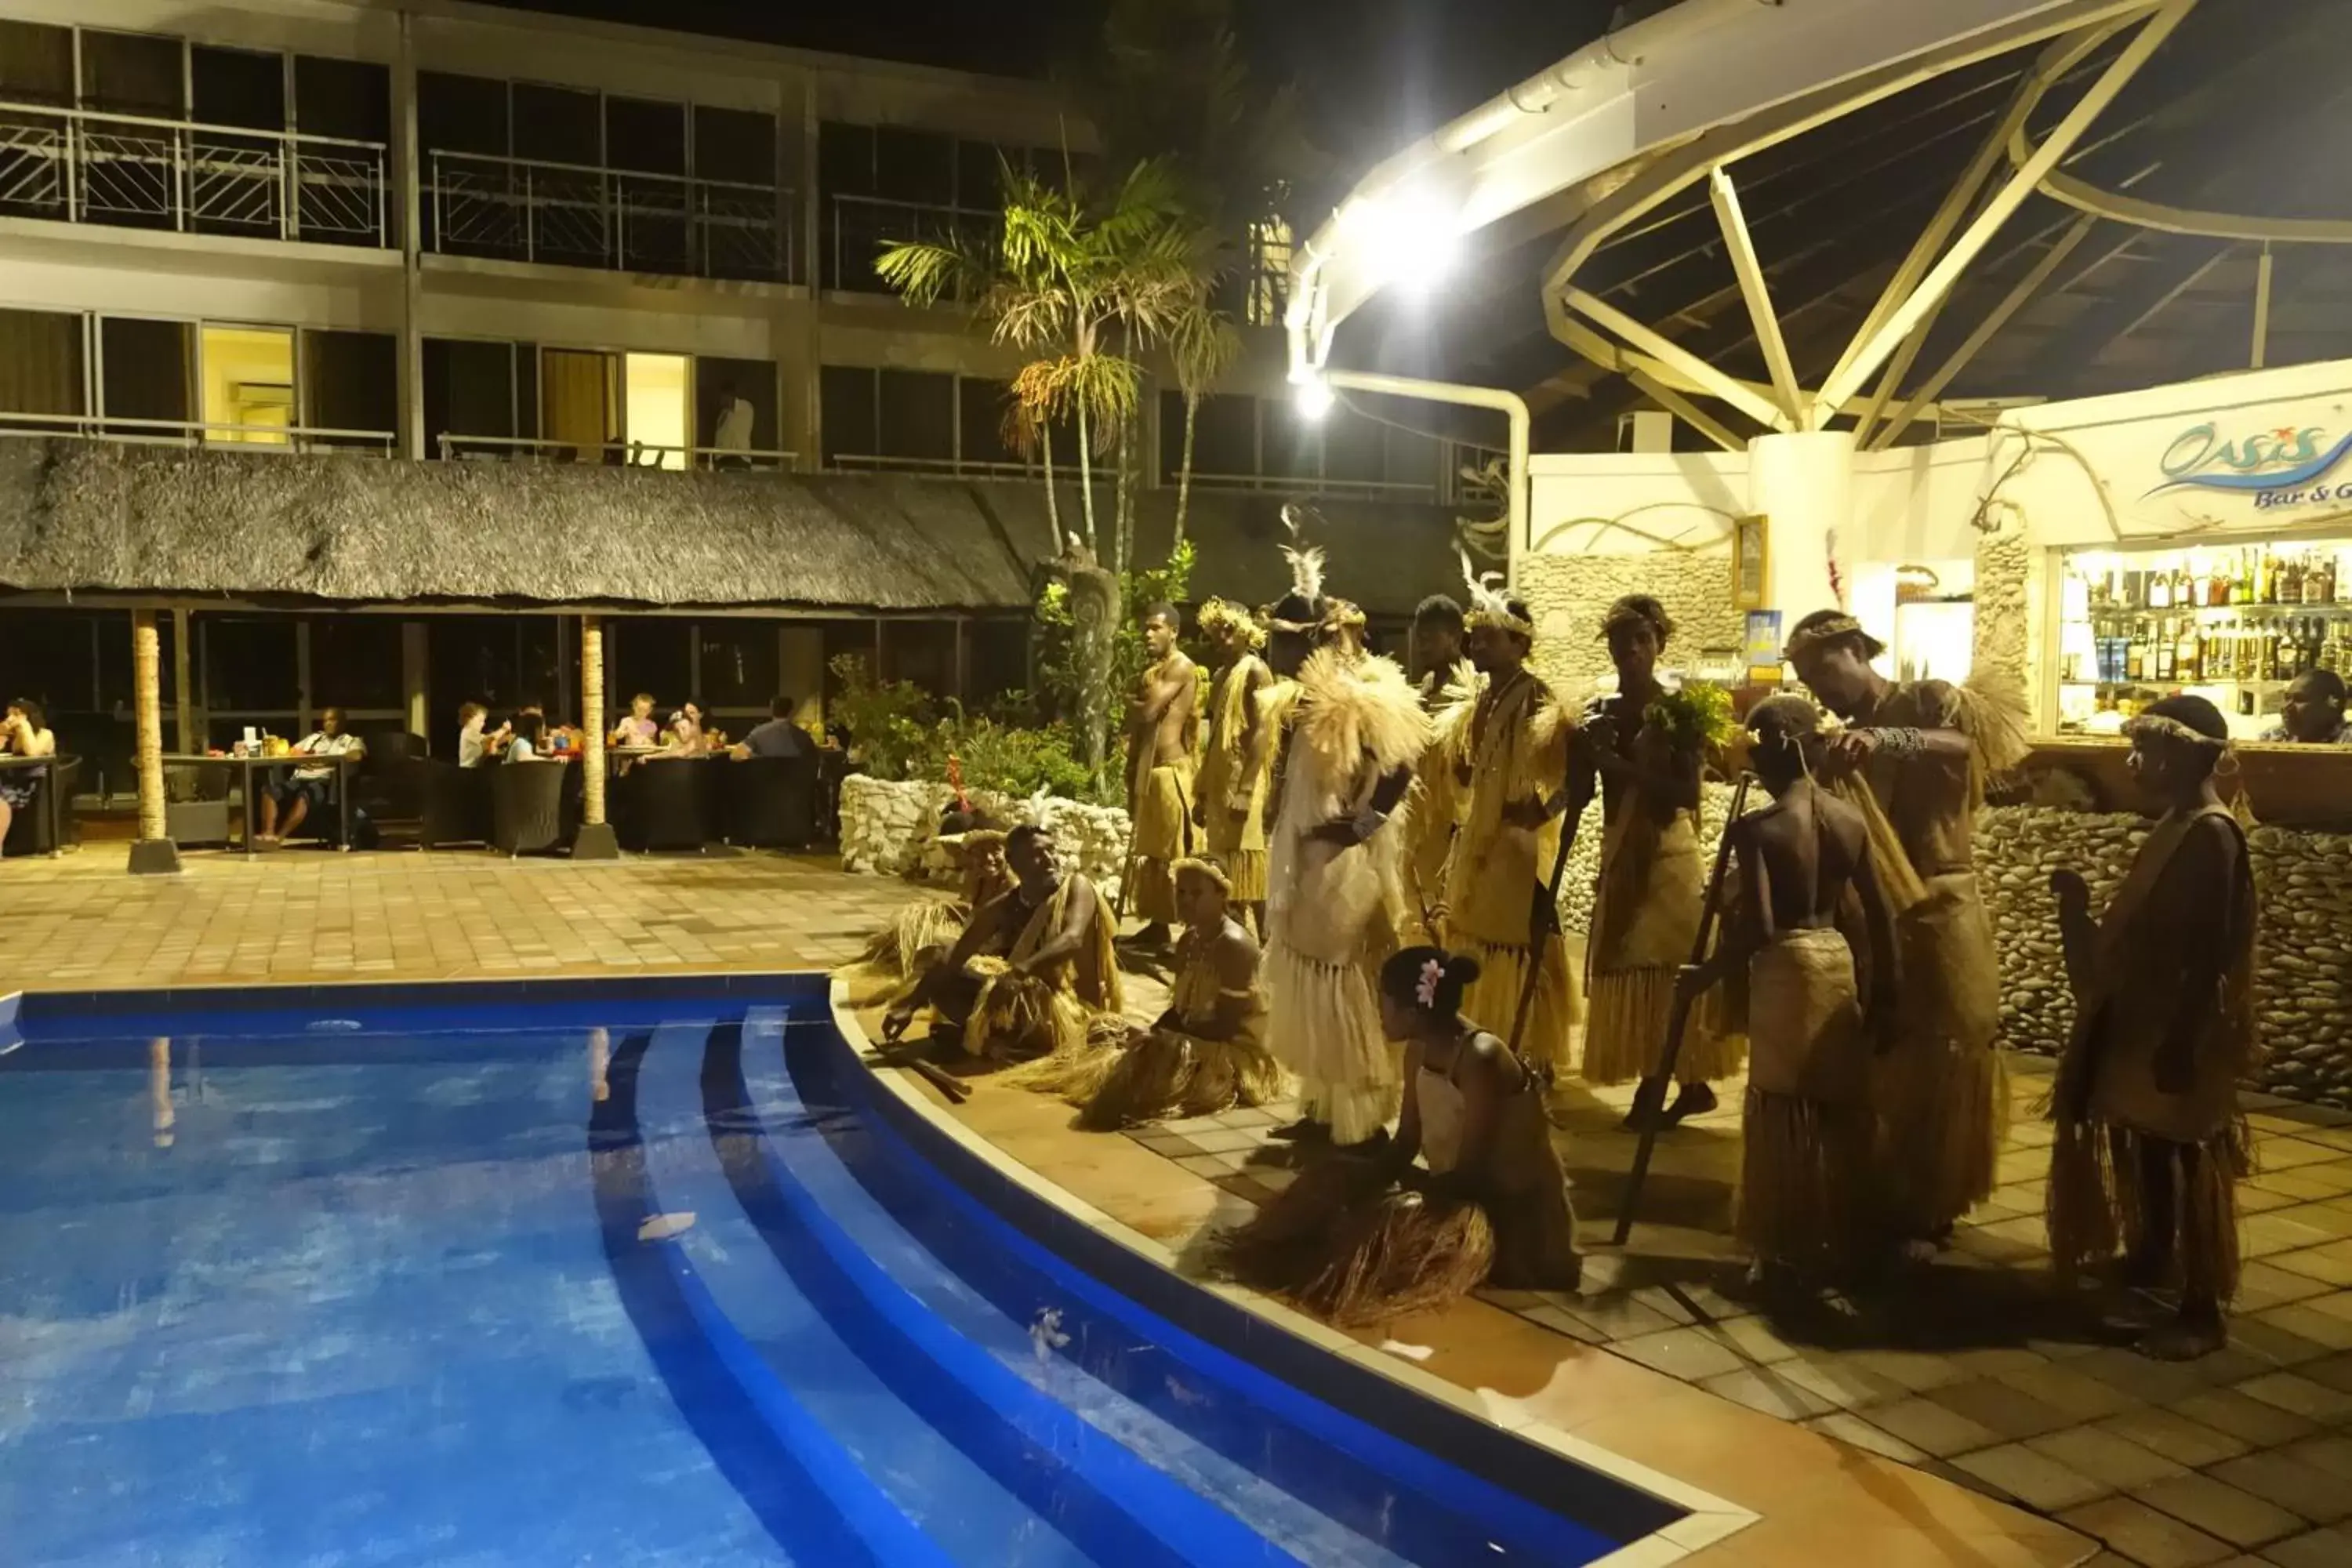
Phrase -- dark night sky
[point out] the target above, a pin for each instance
(1376, 72)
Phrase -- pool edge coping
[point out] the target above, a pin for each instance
(1707, 1518)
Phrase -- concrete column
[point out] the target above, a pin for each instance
(185, 701)
(1803, 482)
(302, 692)
(800, 670)
(415, 674)
(407, 172)
(154, 850)
(595, 840)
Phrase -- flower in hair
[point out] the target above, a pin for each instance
(1426, 992)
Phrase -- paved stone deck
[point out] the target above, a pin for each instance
(1894, 1435)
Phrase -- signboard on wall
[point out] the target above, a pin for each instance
(1762, 644)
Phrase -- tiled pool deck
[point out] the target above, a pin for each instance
(1960, 1420)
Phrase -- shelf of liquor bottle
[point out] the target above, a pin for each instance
(2209, 685)
(2225, 612)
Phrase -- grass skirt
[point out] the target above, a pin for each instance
(1355, 1254)
(2098, 1205)
(1165, 1074)
(1625, 1035)
(1324, 1026)
(1163, 835)
(1492, 1002)
(1943, 1113)
(1246, 868)
(895, 957)
(1804, 1168)
(1019, 1017)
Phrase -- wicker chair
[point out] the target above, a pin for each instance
(456, 804)
(527, 806)
(668, 806)
(28, 829)
(771, 802)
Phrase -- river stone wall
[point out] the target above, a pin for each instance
(889, 829)
(1569, 594)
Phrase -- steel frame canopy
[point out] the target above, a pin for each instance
(1626, 122)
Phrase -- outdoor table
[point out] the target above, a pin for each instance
(49, 792)
(342, 763)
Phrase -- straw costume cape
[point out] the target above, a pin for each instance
(923, 931)
(1176, 1070)
(1646, 909)
(1045, 1018)
(1942, 1104)
(1236, 839)
(1355, 1252)
(1502, 747)
(1436, 800)
(1162, 833)
(1333, 909)
(2111, 1101)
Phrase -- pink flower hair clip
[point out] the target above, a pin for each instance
(1426, 992)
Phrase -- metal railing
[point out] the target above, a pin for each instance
(455, 447)
(860, 227)
(575, 214)
(198, 433)
(85, 166)
(1311, 484)
(953, 467)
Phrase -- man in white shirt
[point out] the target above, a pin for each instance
(731, 438)
(309, 786)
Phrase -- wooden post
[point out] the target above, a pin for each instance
(184, 726)
(596, 841)
(153, 850)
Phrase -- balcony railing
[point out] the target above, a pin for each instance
(85, 166)
(197, 433)
(1312, 484)
(949, 467)
(573, 215)
(858, 228)
(611, 454)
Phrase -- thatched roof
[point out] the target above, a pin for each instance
(95, 517)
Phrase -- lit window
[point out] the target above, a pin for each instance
(1269, 271)
(248, 381)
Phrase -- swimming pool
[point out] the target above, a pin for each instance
(623, 1273)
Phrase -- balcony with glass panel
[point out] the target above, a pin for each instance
(76, 166)
(573, 215)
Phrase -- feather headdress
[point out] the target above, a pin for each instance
(1491, 604)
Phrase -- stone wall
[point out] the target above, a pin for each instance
(2004, 631)
(2302, 982)
(889, 829)
(1569, 593)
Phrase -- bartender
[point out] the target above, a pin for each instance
(2314, 713)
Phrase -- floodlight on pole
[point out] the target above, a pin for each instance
(1313, 397)
(1413, 236)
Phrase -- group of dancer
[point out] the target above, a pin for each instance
(1365, 866)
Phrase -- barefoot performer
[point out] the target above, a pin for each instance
(1803, 869)
(1207, 1053)
(1230, 810)
(1645, 913)
(1444, 679)
(924, 931)
(1031, 968)
(1335, 891)
(1915, 757)
(1363, 1241)
(1160, 763)
(2150, 1140)
(1508, 750)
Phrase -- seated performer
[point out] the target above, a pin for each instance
(2150, 1142)
(1030, 967)
(1363, 1241)
(1803, 862)
(1207, 1053)
(923, 929)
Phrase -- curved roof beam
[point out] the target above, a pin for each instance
(2197, 221)
(1671, 78)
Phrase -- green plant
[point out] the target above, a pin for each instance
(1013, 759)
(889, 722)
(1697, 718)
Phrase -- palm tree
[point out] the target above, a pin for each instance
(1202, 346)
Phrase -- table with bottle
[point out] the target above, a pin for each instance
(2238, 623)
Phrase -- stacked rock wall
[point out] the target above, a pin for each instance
(1569, 594)
(890, 828)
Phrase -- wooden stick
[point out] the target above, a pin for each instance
(1679, 1020)
(1542, 921)
(903, 1055)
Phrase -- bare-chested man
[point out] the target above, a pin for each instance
(1160, 725)
(1230, 810)
(1804, 865)
(2150, 1144)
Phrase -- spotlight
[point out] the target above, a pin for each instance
(1412, 237)
(1314, 398)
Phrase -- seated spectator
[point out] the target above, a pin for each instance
(527, 730)
(639, 730)
(684, 738)
(778, 737)
(2314, 713)
(471, 742)
(309, 786)
(24, 732)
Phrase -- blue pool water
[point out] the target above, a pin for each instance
(595, 1276)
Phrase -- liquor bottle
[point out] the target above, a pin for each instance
(2186, 590)
(2167, 662)
(2159, 590)
(2135, 653)
(2314, 579)
(2245, 589)
(2187, 669)
(2217, 587)
(2291, 587)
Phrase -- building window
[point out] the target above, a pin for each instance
(655, 410)
(248, 376)
(40, 369)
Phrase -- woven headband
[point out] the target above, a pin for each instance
(1829, 631)
(1342, 615)
(1501, 620)
(1199, 867)
(2164, 727)
(1225, 613)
